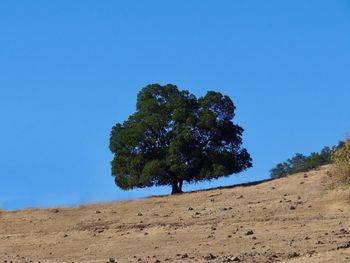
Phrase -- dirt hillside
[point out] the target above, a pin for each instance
(294, 219)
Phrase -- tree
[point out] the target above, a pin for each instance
(301, 163)
(296, 163)
(173, 137)
(279, 170)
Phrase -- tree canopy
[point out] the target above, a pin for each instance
(173, 137)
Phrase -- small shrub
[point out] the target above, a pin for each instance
(341, 160)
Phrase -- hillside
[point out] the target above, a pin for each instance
(293, 219)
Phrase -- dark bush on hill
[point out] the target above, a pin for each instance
(302, 163)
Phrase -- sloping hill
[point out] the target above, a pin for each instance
(293, 219)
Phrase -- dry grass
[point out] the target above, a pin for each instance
(292, 219)
(341, 159)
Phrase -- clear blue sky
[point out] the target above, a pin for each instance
(69, 70)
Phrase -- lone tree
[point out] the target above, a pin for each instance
(174, 137)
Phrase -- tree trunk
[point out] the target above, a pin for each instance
(180, 185)
(177, 187)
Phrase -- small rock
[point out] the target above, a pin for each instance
(292, 208)
(344, 245)
(233, 259)
(239, 197)
(190, 209)
(249, 232)
(111, 260)
(293, 255)
(98, 212)
(139, 214)
(210, 256)
(184, 255)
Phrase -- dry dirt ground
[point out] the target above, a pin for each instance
(294, 219)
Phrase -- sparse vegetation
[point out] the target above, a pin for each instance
(341, 159)
(273, 221)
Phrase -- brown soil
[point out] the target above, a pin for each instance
(294, 219)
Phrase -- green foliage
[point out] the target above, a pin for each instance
(301, 163)
(174, 137)
(341, 159)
